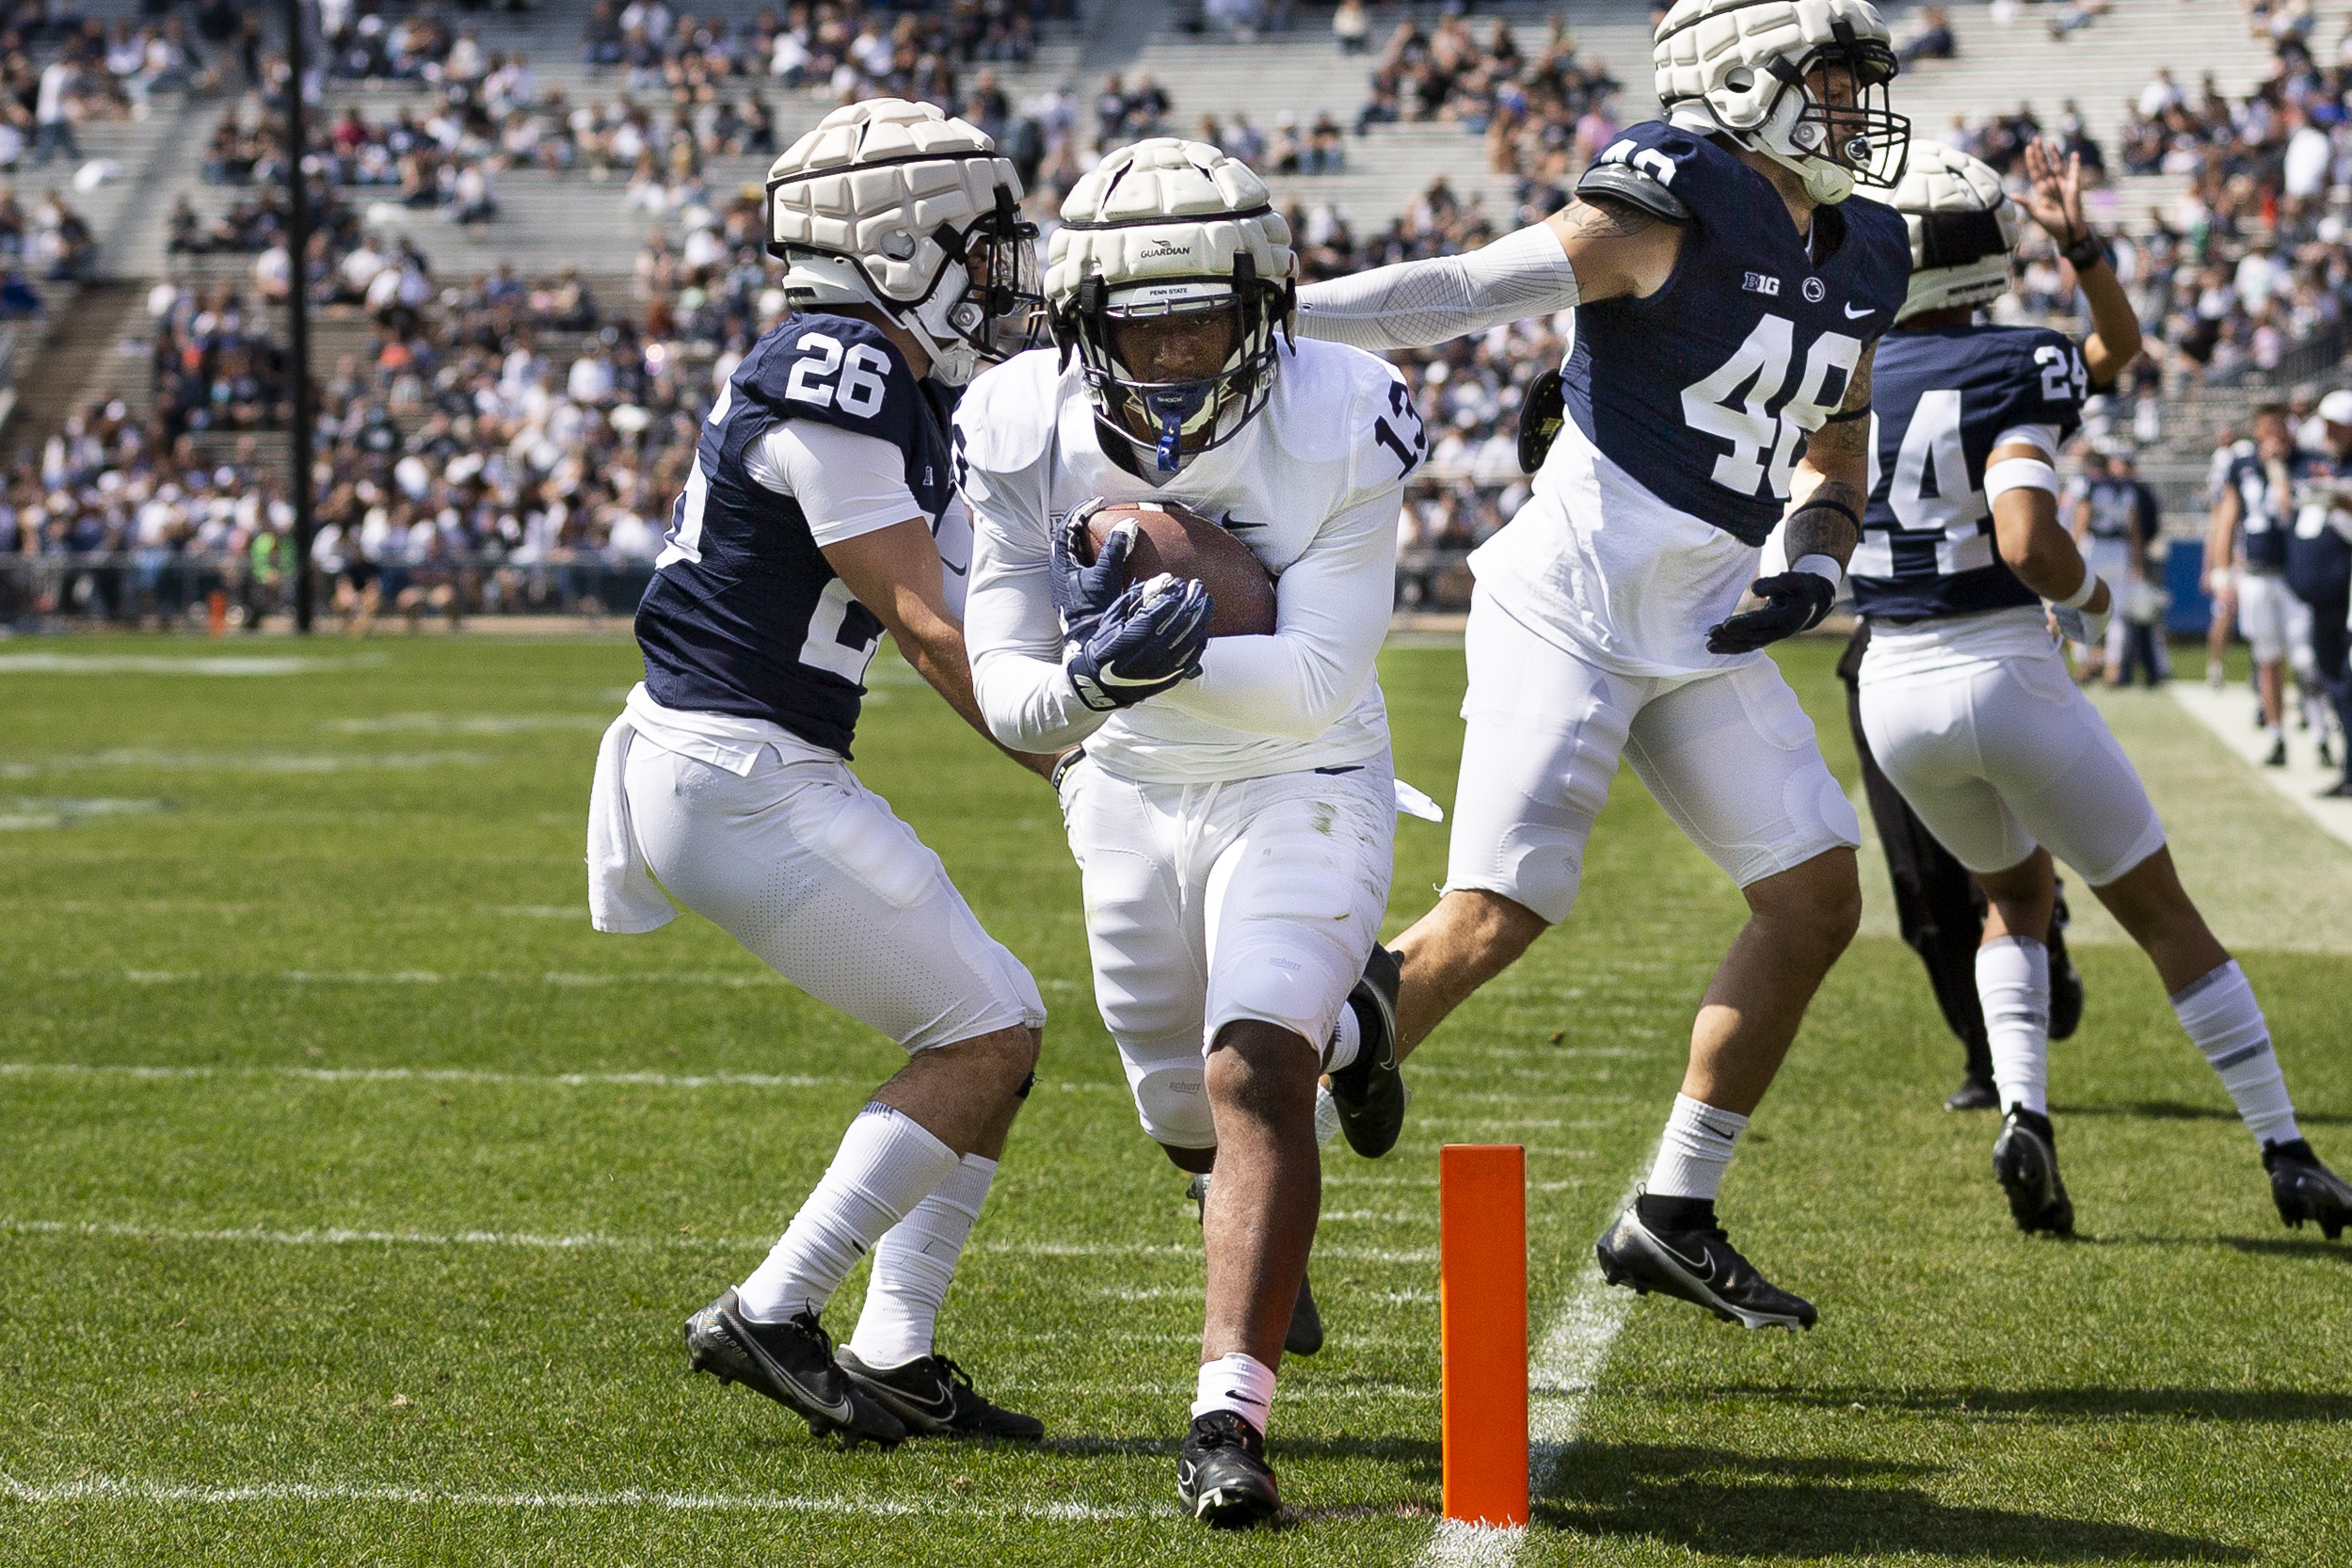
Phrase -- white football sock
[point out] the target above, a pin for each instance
(915, 1263)
(1237, 1384)
(2013, 984)
(2225, 1023)
(1694, 1150)
(887, 1164)
(1347, 1038)
(1327, 1116)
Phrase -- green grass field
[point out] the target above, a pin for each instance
(352, 1191)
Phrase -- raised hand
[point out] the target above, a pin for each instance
(2055, 201)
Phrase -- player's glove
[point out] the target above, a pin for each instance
(1150, 638)
(1081, 593)
(1794, 601)
(2080, 626)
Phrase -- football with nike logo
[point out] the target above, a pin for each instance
(1175, 539)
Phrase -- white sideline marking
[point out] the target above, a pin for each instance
(413, 977)
(115, 1490)
(250, 761)
(2224, 713)
(471, 1075)
(465, 724)
(1560, 1373)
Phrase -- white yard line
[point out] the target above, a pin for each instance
(2225, 713)
(1562, 1369)
(118, 1490)
(471, 1075)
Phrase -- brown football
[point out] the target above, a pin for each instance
(1172, 538)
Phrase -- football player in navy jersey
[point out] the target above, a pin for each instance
(1966, 699)
(2246, 549)
(819, 514)
(1727, 299)
(2319, 562)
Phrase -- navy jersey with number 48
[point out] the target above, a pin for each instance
(1944, 399)
(1706, 391)
(744, 614)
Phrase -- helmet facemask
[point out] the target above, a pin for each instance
(1171, 420)
(1833, 120)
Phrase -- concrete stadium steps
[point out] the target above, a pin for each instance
(81, 358)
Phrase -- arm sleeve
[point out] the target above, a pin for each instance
(847, 484)
(1332, 609)
(1011, 631)
(1417, 304)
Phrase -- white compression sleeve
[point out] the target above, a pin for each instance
(1416, 304)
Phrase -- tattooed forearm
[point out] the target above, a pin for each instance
(1819, 527)
(1858, 386)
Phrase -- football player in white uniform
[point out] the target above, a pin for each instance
(1728, 299)
(1965, 697)
(805, 530)
(1233, 812)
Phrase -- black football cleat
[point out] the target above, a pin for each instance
(933, 1397)
(1697, 1264)
(1370, 1091)
(1974, 1094)
(2278, 754)
(1222, 1476)
(792, 1363)
(2306, 1190)
(1305, 1336)
(2025, 1162)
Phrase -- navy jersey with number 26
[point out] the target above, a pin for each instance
(1706, 391)
(745, 616)
(1942, 400)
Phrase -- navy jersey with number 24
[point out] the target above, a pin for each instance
(744, 614)
(1942, 400)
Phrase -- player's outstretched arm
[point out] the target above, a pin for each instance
(1332, 609)
(2056, 202)
(1597, 248)
(895, 573)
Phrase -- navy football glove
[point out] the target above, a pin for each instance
(1148, 639)
(1081, 593)
(1794, 601)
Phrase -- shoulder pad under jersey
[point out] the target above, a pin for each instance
(1641, 165)
(1636, 188)
(1007, 416)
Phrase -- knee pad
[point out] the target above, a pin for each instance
(1172, 1102)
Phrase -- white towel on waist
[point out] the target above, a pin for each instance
(622, 895)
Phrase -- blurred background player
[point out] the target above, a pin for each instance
(1966, 699)
(1233, 815)
(2319, 564)
(2112, 531)
(806, 531)
(1727, 300)
(2247, 544)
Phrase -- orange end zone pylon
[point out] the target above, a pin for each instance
(1483, 1310)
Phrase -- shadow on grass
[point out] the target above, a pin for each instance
(1415, 1458)
(1739, 1505)
(2289, 1246)
(2175, 1111)
(2178, 1404)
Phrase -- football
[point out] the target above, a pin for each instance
(1175, 540)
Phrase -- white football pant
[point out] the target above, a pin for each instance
(2001, 754)
(808, 869)
(1209, 903)
(1730, 756)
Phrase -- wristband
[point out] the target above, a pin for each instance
(1821, 566)
(1070, 758)
(1826, 505)
(2081, 596)
(2085, 253)
(1848, 416)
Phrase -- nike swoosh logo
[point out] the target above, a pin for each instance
(953, 568)
(1852, 315)
(941, 1404)
(1701, 1269)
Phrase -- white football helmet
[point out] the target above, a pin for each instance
(1172, 229)
(1747, 69)
(1962, 228)
(897, 206)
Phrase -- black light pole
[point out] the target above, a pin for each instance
(299, 321)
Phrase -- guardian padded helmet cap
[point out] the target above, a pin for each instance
(1962, 228)
(1171, 229)
(897, 206)
(1804, 81)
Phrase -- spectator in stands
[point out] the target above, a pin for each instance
(1351, 26)
(53, 116)
(1930, 38)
